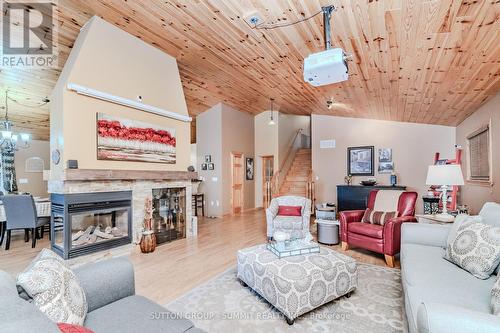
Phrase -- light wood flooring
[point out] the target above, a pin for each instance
(177, 267)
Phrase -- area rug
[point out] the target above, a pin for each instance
(224, 305)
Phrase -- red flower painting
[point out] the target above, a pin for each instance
(124, 139)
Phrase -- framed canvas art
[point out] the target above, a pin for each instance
(360, 161)
(123, 139)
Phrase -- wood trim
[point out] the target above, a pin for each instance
(102, 174)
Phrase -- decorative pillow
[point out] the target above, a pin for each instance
(476, 248)
(495, 297)
(54, 289)
(459, 221)
(70, 328)
(375, 217)
(290, 210)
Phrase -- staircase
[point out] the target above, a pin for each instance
(297, 178)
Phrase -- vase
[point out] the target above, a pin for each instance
(148, 241)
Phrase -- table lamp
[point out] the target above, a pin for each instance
(445, 175)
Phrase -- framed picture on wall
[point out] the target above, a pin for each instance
(360, 161)
(208, 158)
(385, 167)
(211, 166)
(385, 155)
(204, 166)
(249, 168)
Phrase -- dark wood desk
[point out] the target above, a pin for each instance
(354, 197)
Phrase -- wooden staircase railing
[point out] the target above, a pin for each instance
(311, 191)
(272, 187)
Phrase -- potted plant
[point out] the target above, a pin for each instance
(148, 238)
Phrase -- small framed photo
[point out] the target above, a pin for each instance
(385, 155)
(204, 166)
(211, 166)
(385, 167)
(208, 158)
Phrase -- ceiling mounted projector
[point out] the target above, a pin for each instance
(329, 66)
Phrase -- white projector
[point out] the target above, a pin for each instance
(326, 67)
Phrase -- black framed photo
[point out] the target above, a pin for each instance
(208, 158)
(211, 166)
(204, 166)
(385, 155)
(360, 161)
(249, 168)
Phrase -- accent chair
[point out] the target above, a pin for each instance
(297, 225)
(385, 238)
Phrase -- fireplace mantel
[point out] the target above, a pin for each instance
(103, 174)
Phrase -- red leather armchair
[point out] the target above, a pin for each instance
(384, 239)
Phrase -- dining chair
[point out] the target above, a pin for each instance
(21, 213)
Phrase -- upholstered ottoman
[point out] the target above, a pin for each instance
(298, 284)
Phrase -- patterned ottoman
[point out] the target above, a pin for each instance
(296, 285)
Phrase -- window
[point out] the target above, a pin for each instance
(478, 144)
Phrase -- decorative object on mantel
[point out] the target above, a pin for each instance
(72, 164)
(394, 179)
(130, 140)
(191, 168)
(360, 161)
(148, 238)
(348, 179)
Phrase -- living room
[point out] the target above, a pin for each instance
(250, 166)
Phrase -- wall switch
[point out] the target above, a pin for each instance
(22, 180)
(217, 203)
(215, 179)
(211, 203)
(317, 177)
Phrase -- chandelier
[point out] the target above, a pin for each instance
(9, 141)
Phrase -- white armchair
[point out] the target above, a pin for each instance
(296, 226)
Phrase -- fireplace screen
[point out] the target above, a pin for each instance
(169, 214)
(90, 222)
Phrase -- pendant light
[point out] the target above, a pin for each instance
(271, 121)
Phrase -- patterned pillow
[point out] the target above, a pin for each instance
(54, 289)
(476, 248)
(495, 297)
(380, 218)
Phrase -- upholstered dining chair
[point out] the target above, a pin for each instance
(20, 213)
(384, 238)
(290, 214)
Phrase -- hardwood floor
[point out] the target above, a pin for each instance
(177, 267)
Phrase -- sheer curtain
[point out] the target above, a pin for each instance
(8, 171)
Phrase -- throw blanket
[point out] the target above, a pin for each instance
(387, 201)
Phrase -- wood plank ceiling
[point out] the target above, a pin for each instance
(426, 61)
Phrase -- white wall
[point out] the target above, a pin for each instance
(413, 147)
(209, 142)
(472, 194)
(35, 183)
(220, 131)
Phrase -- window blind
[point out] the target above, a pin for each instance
(479, 157)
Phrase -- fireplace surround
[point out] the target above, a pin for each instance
(90, 222)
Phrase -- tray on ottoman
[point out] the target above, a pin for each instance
(298, 284)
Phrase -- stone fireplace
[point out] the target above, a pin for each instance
(172, 188)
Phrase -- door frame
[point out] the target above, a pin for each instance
(263, 175)
(242, 156)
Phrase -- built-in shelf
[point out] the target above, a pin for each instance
(102, 174)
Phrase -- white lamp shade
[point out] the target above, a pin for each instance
(448, 174)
